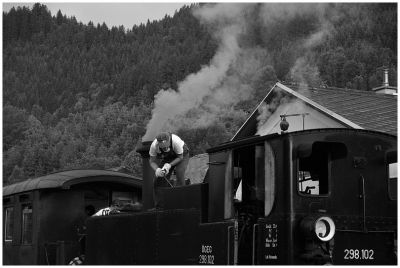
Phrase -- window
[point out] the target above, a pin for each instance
(314, 166)
(27, 221)
(8, 224)
(313, 175)
(248, 174)
(248, 180)
(392, 175)
(124, 197)
(237, 179)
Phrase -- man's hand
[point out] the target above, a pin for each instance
(160, 172)
(166, 168)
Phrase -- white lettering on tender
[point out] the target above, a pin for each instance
(206, 257)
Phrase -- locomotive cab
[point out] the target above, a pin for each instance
(310, 197)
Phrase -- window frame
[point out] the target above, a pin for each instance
(314, 195)
(329, 175)
(11, 221)
(23, 231)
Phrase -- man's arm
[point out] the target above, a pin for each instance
(176, 161)
(153, 162)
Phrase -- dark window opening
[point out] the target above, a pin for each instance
(314, 168)
(125, 197)
(8, 224)
(27, 224)
(248, 174)
(249, 194)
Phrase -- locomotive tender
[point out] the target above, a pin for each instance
(326, 196)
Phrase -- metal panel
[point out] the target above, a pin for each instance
(186, 197)
(217, 193)
(160, 237)
(178, 237)
(122, 239)
(216, 243)
(271, 241)
(372, 248)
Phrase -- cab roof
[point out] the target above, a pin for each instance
(258, 138)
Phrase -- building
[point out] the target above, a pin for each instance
(310, 108)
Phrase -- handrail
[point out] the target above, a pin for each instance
(253, 259)
(229, 244)
(364, 205)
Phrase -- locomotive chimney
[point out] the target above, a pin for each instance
(143, 147)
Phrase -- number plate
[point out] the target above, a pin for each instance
(364, 248)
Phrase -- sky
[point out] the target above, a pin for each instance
(113, 14)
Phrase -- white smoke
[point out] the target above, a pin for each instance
(281, 104)
(212, 92)
(207, 84)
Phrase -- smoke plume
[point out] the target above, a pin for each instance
(204, 90)
(212, 93)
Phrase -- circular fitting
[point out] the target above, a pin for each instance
(324, 228)
(321, 227)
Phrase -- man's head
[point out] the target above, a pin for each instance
(164, 142)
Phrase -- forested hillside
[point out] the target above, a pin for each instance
(81, 96)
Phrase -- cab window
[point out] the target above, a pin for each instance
(314, 167)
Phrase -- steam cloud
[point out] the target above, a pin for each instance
(213, 91)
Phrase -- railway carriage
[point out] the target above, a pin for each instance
(43, 218)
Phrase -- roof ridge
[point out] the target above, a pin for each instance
(299, 87)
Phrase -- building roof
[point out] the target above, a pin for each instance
(65, 179)
(367, 109)
(352, 108)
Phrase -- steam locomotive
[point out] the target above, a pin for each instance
(325, 196)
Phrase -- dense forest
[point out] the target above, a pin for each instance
(81, 96)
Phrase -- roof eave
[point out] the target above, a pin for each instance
(251, 115)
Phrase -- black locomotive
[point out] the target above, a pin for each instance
(326, 196)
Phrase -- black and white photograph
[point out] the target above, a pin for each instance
(199, 133)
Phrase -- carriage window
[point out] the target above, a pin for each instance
(125, 197)
(8, 224)
(314, 166)
(27, 221)
(392, 175)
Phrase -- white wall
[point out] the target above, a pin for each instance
(313, 120)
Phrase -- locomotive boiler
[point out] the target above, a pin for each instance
(322, 196)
